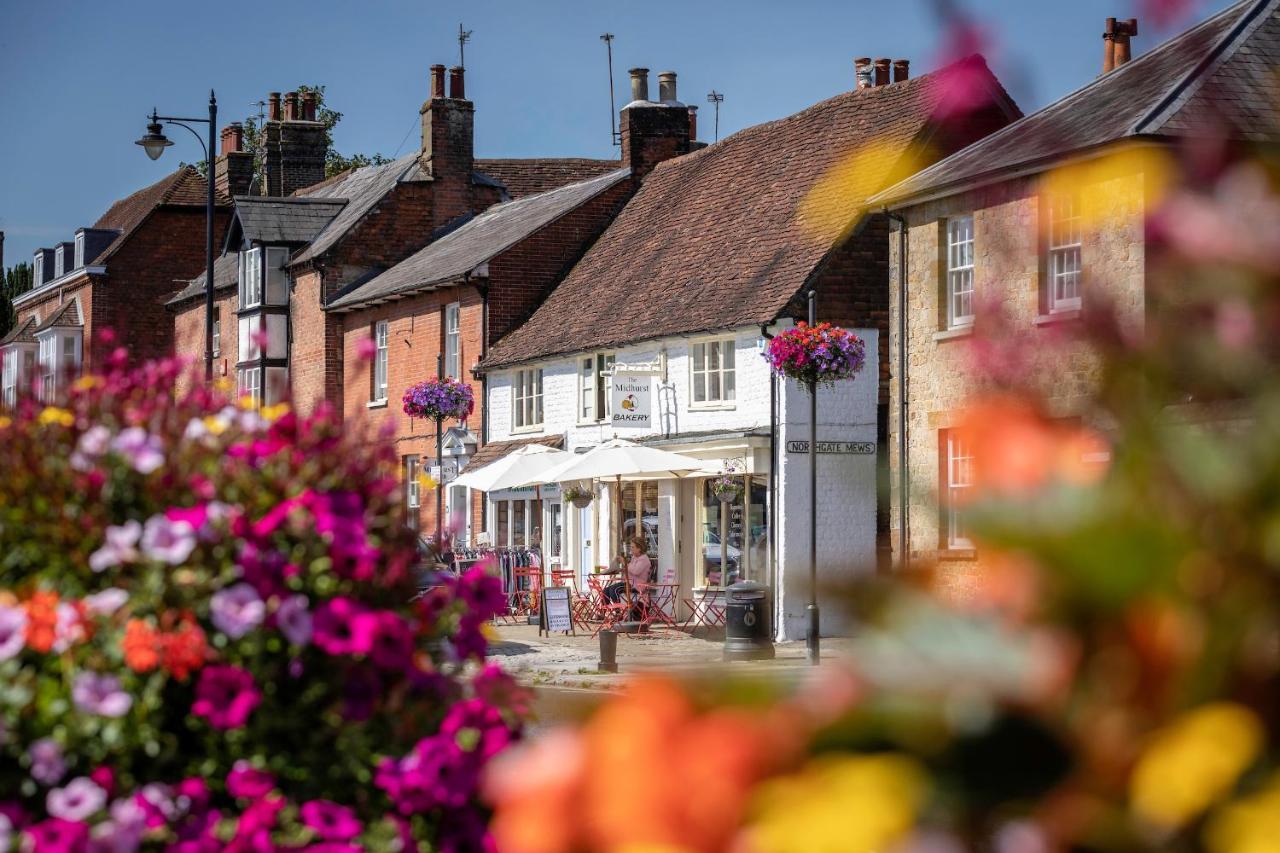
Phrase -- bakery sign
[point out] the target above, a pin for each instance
(632, 400)
(855, 448)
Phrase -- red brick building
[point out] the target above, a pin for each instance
(113, 276)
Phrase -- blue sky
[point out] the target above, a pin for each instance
(77, 78)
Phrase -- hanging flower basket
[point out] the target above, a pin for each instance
(578, 496)
(444, 399)
(727, 488)
(816, 355)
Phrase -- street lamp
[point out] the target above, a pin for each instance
(154, 142)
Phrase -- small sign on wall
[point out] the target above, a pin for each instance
(856, 448)
(632, 399)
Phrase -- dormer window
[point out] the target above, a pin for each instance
(37, 267)
(79, 250)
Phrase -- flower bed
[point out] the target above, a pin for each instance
(209, 635)
(816, 355)
(439, 398)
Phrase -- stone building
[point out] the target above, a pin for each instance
(714, 254)
(1044, 219)
(107, 286)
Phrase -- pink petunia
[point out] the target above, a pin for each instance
(342, 626)
(226, 696)
(330, 821)
(168, 541)
(140, 449)
(119, 548)
(79, 799)
(249, 782)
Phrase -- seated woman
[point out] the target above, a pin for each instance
(638, 571)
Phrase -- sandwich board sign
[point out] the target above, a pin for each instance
(632, 400)
(556, 612)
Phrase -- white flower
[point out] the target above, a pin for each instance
(106, 602)
(119, 547)
(80, 799)
(168, 541)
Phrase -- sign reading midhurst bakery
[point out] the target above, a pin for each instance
(632, 400)
(859, 448)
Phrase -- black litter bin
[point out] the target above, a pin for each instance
(747, 634)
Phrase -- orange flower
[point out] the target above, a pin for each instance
(183, 651)
(141, 645)
(42, 620)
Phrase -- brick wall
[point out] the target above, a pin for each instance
(188, 335)
(83, 288)
(1008, 270)
(315, 365)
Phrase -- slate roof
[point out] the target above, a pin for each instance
(1218, 77)
(725, 236)
(183, 188)
(285, 220)
(23, 333)
(482, 238)
(524, 177)
(226, 275)
(495, 450)
(67, 316)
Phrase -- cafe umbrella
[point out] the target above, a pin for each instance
(517, 468)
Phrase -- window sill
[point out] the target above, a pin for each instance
(376, 404)
(953, 334)
(1058, 317)
(957, 554)
(712, 407)
(533, 430)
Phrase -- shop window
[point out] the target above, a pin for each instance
(528, 399)
(714, 376)
(381, 342)
(502, 517)
(250, 272)
(959, 271)
(459, 500)
(1064, 244)
(555, 532)
(593, 382)
(956, 479)
(518, 535)
(453, 341)
(720, 526)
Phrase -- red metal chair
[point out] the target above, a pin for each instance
(706, 609)
(658, 604)
(525, 597)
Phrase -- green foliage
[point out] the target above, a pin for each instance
(17, 281)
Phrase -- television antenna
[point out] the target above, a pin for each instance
(717, 98)
(464, 36)
(614, 137)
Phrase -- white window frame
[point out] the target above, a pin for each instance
(249, 383)
(957, 479)
(453, 340)
(382, 345)
(37, 270)
(960, 251)
(595, 403)
(79, 258)
(1064, 265)
(250, 276)
(48, 362)
(10, 367)
(699, 368)
(412, 485)
(526, 400)
(217, 336)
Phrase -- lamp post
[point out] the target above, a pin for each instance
(812, 642)
(154, 143)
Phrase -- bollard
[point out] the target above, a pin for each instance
(608, 651)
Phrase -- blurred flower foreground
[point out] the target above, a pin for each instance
(209, 637)
(1105, 676)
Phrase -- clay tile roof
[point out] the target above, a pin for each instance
(725, 236)
(482, 238)
(226, 271)
(67, 316)
(1216, 78)
(537, 175)
(495, 450)
(183, 188)
(23, 333)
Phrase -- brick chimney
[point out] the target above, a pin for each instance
(1115, 42)
(233, 168)
(653, 132)
(693, 122)
(448, 143)
(882, 72)
(293, 146)
(863, 75)
(900, 69)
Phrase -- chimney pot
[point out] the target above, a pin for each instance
(457, 88)
(233, 138)
(862, 73)
(639, 84)
(309, 106)
(882, 71)
(291, 111)
(901, 69)
(693, 123)
(437, 81)
(667, 88)
(1116, 49)
(273, 106)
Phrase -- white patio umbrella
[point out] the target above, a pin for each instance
(521, 467)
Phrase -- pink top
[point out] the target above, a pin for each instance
(638, 571)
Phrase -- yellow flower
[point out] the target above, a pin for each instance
(1193, 762)
(223, 385)
(275, 413)
(85, 383)
(842, 804)
(55, 415)
(1248, 825)
(215, 424)
(5, 420)
(246, 402)
(427, 481)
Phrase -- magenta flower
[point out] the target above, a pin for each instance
(237, 610)
(294, 620)
(119, 548)
(13, 626)
(439, 398)
(168, 541)
(47, 764)
(343, 627)
(80, 799)
(330, 821)
(56, 835)
(249, 782)
(101, 694)
(392, 641)
(226, 696)
(141, 450)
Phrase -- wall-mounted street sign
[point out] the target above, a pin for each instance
(856, 448)
(632, 400)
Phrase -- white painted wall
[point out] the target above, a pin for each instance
(846, 483)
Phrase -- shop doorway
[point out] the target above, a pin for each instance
(585, 533)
